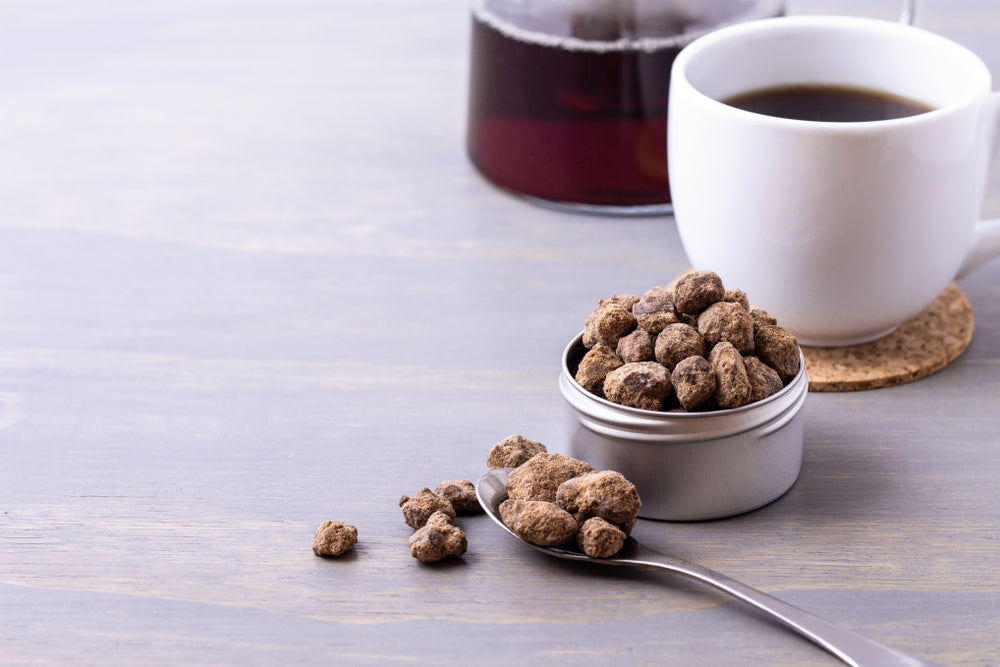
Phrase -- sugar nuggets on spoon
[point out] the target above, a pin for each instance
(554, 500)
(512, 451)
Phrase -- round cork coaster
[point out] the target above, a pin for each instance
(920, 346)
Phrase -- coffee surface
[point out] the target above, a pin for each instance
(825, 103)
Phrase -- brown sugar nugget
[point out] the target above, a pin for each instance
(676, 342)
(334, 538)
(539, 478)
(655, 310)
(438, 539)
(644, 385)
(694, 381)
(734, 295)
(624, 527)
(461, 493)
(419, 508)
(538, 521)
(764, 380)
(637, 346)
(607, 325)
(732, 386)
(626, 300)
(778, 349)
(514, 450)
(607, 322)
(599, 539)
(690, 320)
(607, 494)
(697, 290)
(595, 366)
(761, 318)
(727, 321)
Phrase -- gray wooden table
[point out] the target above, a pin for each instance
(249, 282)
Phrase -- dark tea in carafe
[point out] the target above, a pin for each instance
(572, 109)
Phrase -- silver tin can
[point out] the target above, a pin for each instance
(689, 466)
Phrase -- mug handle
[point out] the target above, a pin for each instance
(986, 242)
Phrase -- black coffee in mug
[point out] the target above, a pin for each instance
(827, 103)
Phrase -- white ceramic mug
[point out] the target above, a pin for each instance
(841, 230)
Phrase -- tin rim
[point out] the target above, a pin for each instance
(606, 416)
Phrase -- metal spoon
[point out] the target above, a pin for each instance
(852, 648)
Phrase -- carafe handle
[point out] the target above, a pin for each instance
(909, 15)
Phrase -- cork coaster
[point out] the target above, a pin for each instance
(922, 345)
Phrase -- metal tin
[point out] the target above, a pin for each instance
(689, 466)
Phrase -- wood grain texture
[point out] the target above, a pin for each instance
(249, 282)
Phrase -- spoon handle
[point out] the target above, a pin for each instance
(849, 646)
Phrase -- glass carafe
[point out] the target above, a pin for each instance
(568, 98)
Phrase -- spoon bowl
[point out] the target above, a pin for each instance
(851, 647)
